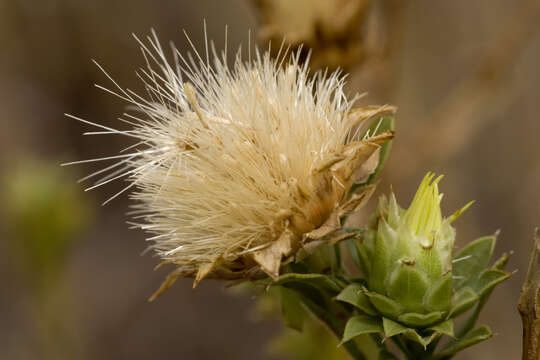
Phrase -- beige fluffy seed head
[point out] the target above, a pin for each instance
(238, 168)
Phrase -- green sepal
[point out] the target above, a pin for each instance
(291, 309)
(319, 281)
(420, 320)
(463, 300)
(471, 338)
(360, 325)
(354, 295)
(439, 296)
(472, 259)
(409, 286)
(384, 305)
(392, 328)
(444, 327)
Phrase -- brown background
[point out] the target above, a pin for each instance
(464, 75)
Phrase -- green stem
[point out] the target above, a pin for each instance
(335, 325)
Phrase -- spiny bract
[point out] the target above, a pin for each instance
(237, 168)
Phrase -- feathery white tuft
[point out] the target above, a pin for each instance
(228, 160)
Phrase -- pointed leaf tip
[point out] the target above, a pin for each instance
(445, 327)
(167, 283)
(471, 338)
(392, 328)
(489, 279)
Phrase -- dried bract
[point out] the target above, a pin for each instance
(333, 29)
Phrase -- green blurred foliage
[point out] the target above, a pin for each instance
(44, 210)
(314, 342)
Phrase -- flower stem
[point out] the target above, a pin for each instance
(335, 325)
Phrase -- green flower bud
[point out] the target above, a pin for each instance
(410, 279)
(413, 285)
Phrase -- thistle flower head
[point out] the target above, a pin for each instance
(237, 168)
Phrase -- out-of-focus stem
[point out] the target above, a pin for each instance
(529, 304)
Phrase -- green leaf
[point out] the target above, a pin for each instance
(471, 338)
(392, 328)
(439, 296)
(409, 286)
(445, 327)
(359, 325)
(463, 300)
(384, 305)
(420, 320)
(472, 260)
(354, 295)
(485, 284)
(318, 281)
(385, 123)
(489, 279)
(291, 309)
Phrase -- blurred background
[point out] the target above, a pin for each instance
(464, 75)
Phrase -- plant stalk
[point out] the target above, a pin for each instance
(529, 304)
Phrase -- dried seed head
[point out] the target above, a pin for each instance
(335, 30)
(236, 168)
